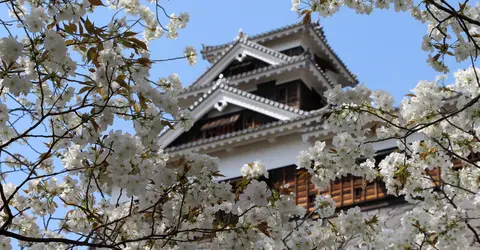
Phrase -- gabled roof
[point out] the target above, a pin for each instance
(255, 46)
(273, 128)
(296, 27)
(318, 36)
(295, 62)
(241, 46)
(314, 29)
(258, 100)
(224, 93)
(302, 61)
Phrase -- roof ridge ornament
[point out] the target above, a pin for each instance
(219, 81)
(240, 36)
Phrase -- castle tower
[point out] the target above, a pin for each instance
(262, 99)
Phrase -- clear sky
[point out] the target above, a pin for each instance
(383, 49)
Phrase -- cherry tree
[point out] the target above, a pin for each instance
(445, 215)
(65, 81)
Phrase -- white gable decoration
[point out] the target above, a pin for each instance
(239, 50)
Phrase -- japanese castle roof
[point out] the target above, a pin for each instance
(314, 29)
(211, 88)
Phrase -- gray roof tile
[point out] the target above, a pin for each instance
(239, 133)
(248, 95)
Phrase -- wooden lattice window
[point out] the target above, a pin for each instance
(288, 94)
(295, 51)
(220, 126)
(351, 190)
(346, 191)
(250, 121)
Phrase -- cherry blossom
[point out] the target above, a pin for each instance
(72, 177)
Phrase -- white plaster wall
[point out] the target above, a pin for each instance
(391, 143)
(285, 43)
(282, 152)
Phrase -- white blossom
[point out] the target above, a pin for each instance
(191, 55)
(254, 170)
(10, 49)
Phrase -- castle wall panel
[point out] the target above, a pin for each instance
(282, 152)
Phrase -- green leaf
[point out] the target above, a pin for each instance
(96, 2)
(121, 80)
(121, 77)
(126, 43)
(138, 43)
(80, 27)
(89, 26)
(136, 108)
(74, 27)
(144, 61)
(129, 33)
(100, 91)
(91, 54)
(51, 25)
(84, 89)
(68, 29)
(95, 124)
(45, 155)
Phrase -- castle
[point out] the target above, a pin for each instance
(262, 99)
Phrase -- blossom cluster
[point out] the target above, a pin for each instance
(66, 83)
(436, 174)
(82, 165)
(254, 170)
(446, 117)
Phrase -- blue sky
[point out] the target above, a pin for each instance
(383, 49)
